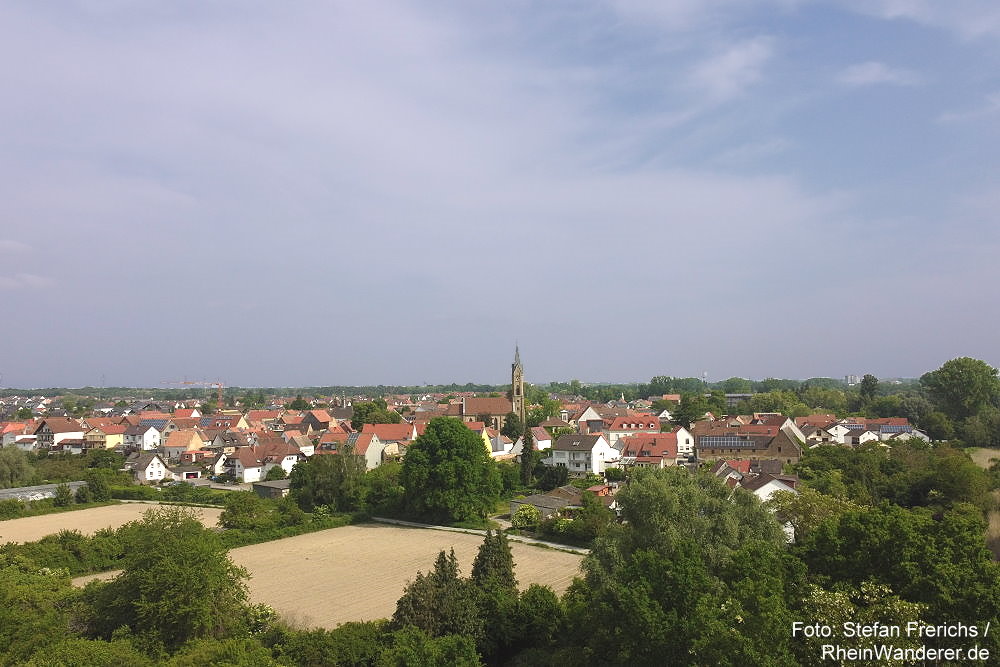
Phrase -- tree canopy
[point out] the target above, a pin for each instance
(448, 475)
(177, 582)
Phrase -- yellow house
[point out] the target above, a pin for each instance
(105, 437)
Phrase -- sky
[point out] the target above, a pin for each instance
(338, 193)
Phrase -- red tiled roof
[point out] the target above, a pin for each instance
(659, 445)
(633, 423)
(390, 432)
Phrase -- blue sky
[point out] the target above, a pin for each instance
(394, 192)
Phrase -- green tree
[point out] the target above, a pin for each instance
(962, 387)
(448, 475)
(63, 497)
(352, 643)
(336, 480)
(513, 428)
(274, 474)
(529, 458)
(495, 589)
(384, 493)
(440, 602)
(412, 647)
(24, 413)
(694, 570)
(177, 582)
(15, 468)
(34, 609)
(97, 483)
(245, 510)
(299, 403)
(691, 408)
(93, 653)
(869, 605)
(868, 388)
(83, 495)
(373, 412)
(806, 508)
(106, 459)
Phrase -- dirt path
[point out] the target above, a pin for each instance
(87, 521)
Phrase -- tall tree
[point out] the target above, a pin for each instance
(440, 602)
(529, 457)
(448, 475)
(694, 570)
(868, 388)
(963, 386)
(512, 426)
(336, 480)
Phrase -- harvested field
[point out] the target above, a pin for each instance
(983, 456)
(357, 573)
(87, 521)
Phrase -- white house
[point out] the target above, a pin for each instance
(581, 454)
(141, 438)
(147, 467)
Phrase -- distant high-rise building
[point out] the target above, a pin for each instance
(517, 385)
(852, 380)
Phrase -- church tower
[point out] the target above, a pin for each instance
(517, 385)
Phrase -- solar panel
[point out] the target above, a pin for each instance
(731, 441)
(896, 428)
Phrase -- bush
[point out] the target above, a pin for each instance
(11, 509)
(64, 497)
(83, 495)
(526, 517)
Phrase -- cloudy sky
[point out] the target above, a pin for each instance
(395, 192)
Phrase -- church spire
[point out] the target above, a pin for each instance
(517, 385)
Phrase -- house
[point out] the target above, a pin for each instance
(304, 444)
(581, 454)
(368, 445)
(501, 447)
(617, 427)
(398, 433)
(141, 438)
(244, 465)
(277, 452)
(147, 467)
(108, 436)
(185, 413)
(650, 450)
(317, 420)
(224, 421)
(51, 431)
(764, 486)
(11, 431)
(714, 440)
(181, 441)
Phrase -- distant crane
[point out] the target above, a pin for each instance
(219, 386)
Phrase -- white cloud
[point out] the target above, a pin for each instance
(24, 281)
(873, 73)
(728, 74)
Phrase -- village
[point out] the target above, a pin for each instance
(175, 442)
